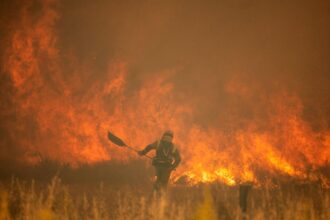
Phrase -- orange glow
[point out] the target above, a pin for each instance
(64, 115)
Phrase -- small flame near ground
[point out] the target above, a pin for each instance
(58, 109)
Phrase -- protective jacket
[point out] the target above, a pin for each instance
(167, 154)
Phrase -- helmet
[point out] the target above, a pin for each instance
(168, 136)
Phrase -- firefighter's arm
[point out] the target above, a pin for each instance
(177, 159)
(147, 149)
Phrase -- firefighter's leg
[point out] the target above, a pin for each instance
(160, 179)
(164, 178)
(157, 184)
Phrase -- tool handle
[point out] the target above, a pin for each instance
(131, 148)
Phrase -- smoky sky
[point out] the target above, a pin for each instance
(275, 44)
(286, 42)
(208, 41)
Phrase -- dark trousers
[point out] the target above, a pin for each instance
(162, 177)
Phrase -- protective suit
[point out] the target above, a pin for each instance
(166, 160)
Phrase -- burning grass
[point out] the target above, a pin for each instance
(56, 105)
(230, 127)
(56, 200)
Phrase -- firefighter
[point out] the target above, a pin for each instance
(166, 160)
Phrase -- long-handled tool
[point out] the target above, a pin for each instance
(120, 143)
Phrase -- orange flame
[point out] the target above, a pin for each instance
(62, 113)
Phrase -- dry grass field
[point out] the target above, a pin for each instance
(20, 199)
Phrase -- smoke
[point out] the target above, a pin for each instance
(235, 80)
(209, 43)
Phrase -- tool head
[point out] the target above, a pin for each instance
(116, 140)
